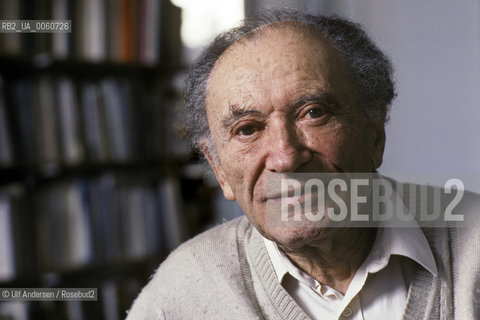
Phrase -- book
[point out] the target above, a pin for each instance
(74, 310)
(94, 125)
(116, 105)
(153, 121)
(78, 225)
(153, 222)
(10, 43)
(7, 251)
(133, 221)
(6, 152)
(46, 130)
(90, 30)
(23, 120)
(63, 224)
(149, 31)
(43, 230)
(42, 10)
(17, 310)
(172, 213)
(128, 24)
(108, 186)
(110, 300)
(100, 211)
(113, 18)
(61, 42)
(69, 122)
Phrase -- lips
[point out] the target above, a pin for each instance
(290, 199)
(291, 194)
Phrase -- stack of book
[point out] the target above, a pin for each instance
(77, 222)
(123, 31)
(63, 121)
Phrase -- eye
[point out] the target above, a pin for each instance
(315, 113)
(246, 130)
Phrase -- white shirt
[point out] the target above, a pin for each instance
(380, 285)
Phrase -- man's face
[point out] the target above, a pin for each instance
(284, 102)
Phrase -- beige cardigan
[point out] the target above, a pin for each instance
(225, 273)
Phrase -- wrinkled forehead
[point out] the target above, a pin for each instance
(283, 46)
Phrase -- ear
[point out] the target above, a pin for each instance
(217, 168)
(378, 138)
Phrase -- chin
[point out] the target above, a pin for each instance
(293, 238)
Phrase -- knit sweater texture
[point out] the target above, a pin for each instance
(226, 273)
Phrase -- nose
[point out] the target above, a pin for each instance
(285, 150)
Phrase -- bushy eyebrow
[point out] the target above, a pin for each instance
(236, 113)
(325, 98)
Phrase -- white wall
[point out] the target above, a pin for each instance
(434, 131)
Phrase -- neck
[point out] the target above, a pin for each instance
(334, 261)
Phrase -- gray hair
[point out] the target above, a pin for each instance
(371, 69)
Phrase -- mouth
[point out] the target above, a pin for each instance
(300, 197)
(295, 194)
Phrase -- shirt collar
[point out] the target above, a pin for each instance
(408, 241)
(283, 266)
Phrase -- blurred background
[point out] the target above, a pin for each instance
(97, 187)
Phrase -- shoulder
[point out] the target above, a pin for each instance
(450, 220)
(207, 251)
(465, 257)
(196, 273)
(207, 248)
(217, 237)
(447, 206)
(449, 217)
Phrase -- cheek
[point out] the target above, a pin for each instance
(242, 160)
(235, 171)
(354, 153)
(327, 141)
(338, 146)
(243, 172)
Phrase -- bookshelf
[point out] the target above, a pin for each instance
(95, 186)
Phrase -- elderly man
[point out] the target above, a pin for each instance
(292, 93)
